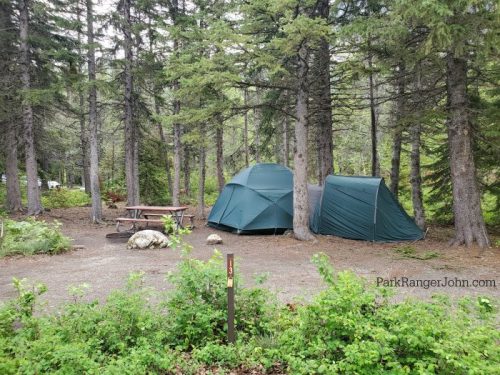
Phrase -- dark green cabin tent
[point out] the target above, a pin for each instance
(360, 208)
(259, 199)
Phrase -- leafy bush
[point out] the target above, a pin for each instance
(349, 328)
(32, 237)
(169, 224)
(352, 328)
(198, 305)
(64, 198)
(125, 335)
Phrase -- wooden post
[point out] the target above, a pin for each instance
(231, 335)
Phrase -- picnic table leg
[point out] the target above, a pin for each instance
(181, 219)
(137, 215)
(178, 219)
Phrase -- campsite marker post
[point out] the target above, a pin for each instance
(231, 336)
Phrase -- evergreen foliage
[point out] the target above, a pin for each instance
(214, 88)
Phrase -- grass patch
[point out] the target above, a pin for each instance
(408, 251)
(31, 237)
(64, 198)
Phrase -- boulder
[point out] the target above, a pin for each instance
(148, 239)
(214, 239)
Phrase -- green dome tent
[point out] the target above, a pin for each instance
(361, 208)
(259, 199)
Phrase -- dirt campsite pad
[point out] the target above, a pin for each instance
(104, 264)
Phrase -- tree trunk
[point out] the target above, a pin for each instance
(300, 193)
(174, 9)
(84, 144)
(34, 202)
(81, 106)
(164, 143)
(286, 141)
(322, 91)
(415, 175)
(10, 104)
(398, 131)
(373, 117)
(245, 128)
(187, 170)
(177, 158)
(95, 190)
(13, 199)
(469, 222)
(202, 173)
(219, 140)
(131, 142)
(278, 147)
(257, 118)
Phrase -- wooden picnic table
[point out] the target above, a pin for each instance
(177, 212)
(151, 215)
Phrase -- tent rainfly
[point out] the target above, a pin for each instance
(360, 208)
(259, 199)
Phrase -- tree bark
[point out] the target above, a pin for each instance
(245, 128)
(13, 199)
(81, 106)
(8, 110)
(469, 222)
(177, 158)
(286, 142)
(187, 170)
(95, 190)
(415, 174)
(257, 118)
(84, 144)
(300, 193)
(131, 141)
(373, 116)
(416, 177)
(202, 173)
(34, 201)
(164, 143)
(219, 140)
(398, 131)
(322, 92)
(177, 128)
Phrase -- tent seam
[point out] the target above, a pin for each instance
(225, 208)
(375, 210)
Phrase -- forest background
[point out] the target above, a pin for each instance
(162, 101)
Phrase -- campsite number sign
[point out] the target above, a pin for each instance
(230, 270)
(231, 336)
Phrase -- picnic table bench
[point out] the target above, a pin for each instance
(149, 215)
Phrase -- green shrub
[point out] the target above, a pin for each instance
(64, 198)
(197, 305)
(349, 328)
(32, 237)
(352, 328)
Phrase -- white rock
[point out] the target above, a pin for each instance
(214, 239)
(148, 239)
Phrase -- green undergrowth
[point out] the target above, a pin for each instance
(349, 328)
(31, 237)
(64, 198)
(408, 251)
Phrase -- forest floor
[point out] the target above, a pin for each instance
(105, 264)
